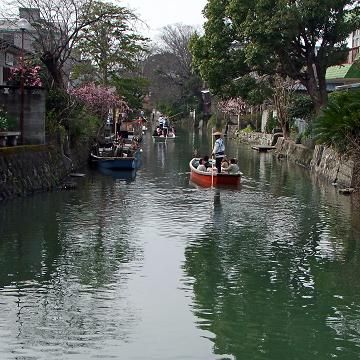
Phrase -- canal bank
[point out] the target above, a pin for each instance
(319, 159)
(25, 170)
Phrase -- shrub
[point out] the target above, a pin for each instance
(301, 107)
(271, 123)
(7, 122)
(339, 123)
(66, 115)
(248, 129)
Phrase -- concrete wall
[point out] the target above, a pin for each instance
(34, 111)
(28, 169)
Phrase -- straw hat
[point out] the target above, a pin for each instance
(217, 133)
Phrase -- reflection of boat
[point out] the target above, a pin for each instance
(206, 179)
(127, 175)
(163, 138)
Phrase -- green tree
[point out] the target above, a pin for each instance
(298, 39)
(111, 45)
(217, 55)
(133, 90)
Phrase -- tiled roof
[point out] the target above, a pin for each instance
(345, 71)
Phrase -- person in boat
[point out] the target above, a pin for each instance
(218, 150)
(118, 150)
(207, 162)
(201, 166)
(155, 133)
(166, 126)
(233, 168)
(161, 121)
(224, 163)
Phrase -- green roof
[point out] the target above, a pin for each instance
(345, 71)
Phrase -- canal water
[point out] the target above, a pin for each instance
(156, 268)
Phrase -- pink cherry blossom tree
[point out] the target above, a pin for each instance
(99, 99)
(30, 73)
(233, 106)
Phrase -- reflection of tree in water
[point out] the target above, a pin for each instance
(261, 289)
(66, 261)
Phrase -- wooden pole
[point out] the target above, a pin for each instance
(212, 158)
(22, 91)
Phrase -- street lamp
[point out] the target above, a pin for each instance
(23, 25)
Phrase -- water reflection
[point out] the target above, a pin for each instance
(156, 268)
(269, 272)
(64, 278)
(126, 175)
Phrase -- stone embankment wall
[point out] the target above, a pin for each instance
(323, 161)
(28, 169)
(338, 170)
(255, 138)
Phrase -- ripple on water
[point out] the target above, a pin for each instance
(118, 268)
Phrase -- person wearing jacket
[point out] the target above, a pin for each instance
(218, 150)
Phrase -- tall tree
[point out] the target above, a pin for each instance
(175, 40)
(56, 28)
(282, 97)
(217, 55)
(298, 39)
(111, 44)
(176, 63)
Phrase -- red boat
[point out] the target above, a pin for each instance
(207, 180)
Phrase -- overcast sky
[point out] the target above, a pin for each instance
(158, 13)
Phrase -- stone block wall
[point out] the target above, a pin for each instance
(28, 169)
(297, 153)
(323, 161)
(328, 164)
(34, 111)
(250, 137)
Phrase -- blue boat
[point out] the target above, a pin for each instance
(116, 162)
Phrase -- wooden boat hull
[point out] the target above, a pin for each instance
(206, 180)
(124, 163)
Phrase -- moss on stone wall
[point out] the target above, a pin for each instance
(28, 169)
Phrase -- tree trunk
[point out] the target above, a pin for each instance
(316, 87)
(51, 64)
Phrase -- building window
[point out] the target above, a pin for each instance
(9, 59)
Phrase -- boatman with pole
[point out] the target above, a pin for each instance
(218, 150)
